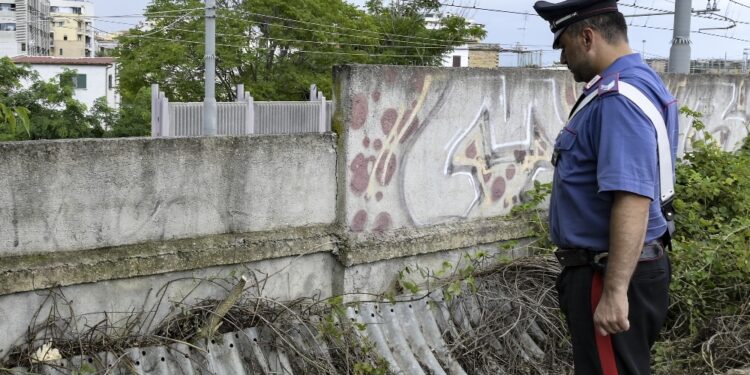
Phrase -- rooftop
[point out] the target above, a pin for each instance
(50, 60)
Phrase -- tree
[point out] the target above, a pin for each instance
(46, 110)
(278, 48)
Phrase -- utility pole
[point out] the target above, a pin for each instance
(209, 100)
(679, 54)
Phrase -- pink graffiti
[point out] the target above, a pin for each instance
(410, 130)
(360, 173)
(498, 189)
(359, 221)
(360, 111)
(384, 173)
(388, 120)
(383, 222)
(510, 172)
(471, 151)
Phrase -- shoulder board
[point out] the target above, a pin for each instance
(609, 85)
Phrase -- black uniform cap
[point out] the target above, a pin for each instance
(568, 12)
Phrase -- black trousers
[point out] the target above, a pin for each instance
(648, 299)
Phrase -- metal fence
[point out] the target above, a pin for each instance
(245, 116)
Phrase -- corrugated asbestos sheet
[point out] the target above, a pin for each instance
(409, 335)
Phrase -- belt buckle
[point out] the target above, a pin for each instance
(599, 256)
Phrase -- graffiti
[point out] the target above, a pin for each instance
(723, 104)
(372, 170)
(426, 161)
(427, 146)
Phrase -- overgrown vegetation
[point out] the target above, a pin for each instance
(315, 334)
(48, 109)
(708, 328)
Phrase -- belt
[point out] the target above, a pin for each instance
(584, 257)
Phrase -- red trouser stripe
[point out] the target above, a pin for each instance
(603, 343)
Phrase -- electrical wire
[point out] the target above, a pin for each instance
(740, 4)
(342, 27)
(291, 50)
(333, 32)
(453, 5)
(258, 36)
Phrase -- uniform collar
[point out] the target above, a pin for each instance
(619, 65)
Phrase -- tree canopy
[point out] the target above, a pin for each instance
(278, 48)
(45, 110)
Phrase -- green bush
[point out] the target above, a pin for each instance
(711, 260)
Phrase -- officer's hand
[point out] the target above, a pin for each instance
(611, 316)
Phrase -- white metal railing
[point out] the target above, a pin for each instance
(245, 116)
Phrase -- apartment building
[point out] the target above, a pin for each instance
(72, 29)
(96, 76)
(24, 27)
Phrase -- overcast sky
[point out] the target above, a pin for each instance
(531, 31)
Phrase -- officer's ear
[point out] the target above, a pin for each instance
(587, 37)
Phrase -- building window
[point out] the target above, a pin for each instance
(4, 7)
(456, 61)
(109, 81)
(65, 37)
(23, 47)
(60, 51)
(7, 27)
(79, 81)
(61, 24)
(79, 37)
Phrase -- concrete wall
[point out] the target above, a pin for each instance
(724, 101)
(426, 146)
(426, 164)
(72, 195)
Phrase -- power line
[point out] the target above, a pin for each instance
(452, 5)
(343, 27)
(739, 3)
(336, 32)
(293, 51)
(723, 36)
(315, 41)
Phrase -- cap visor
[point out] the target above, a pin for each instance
(556, 39)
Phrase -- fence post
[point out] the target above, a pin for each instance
(155, 107)
(250, 114)
(240, 92)
(322, 126)
(165, 126)
(313, 92)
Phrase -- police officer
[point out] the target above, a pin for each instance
(613, 178)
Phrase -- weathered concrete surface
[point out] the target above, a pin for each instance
(28, 272)
(363, 248)
(422, 146)
(85, 194)
(282, 279)
(724, 101)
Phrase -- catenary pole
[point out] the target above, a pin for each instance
(679, 54)
(209, 100)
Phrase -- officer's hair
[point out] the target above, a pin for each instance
(611, 25)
